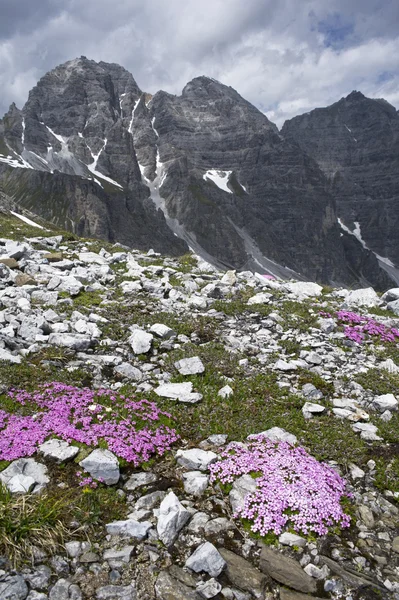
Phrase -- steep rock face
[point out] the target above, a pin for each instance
(275, 201)
(92, 153)
(69, 156)
(356, 143)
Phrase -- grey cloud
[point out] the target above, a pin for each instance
(274, 52)
(22, 16)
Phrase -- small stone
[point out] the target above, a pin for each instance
(356, 472)
(385, 402)
(23, 468)
(276, 434)
(75, 549)
(290, 539)
(138, 480)
(242, 486)
(366, 515)
(130, 528)
(206, 558)
(179, 391)
(395, 544)
(196, 459)
(58, 450)
(209, 589)
(309, 410)
(218, 526)
(225, 392)
(102, 465)
(190, 366)
(128, 371)
(261, 298)
(282, 365)
(162, 331)
(172, 518)
(140, 341)
(13, 587)
(195, 482)
(316, 572)
(11, 263)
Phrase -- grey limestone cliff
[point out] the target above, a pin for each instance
(356, 143)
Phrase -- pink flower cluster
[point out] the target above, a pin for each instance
(293, 488)
(88, 417)
(360, 326)
(87, 481)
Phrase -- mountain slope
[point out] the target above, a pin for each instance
(91, 152)
(356, 143)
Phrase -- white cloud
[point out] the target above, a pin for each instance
(284, 56)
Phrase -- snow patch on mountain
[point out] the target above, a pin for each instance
(219, 178)
(26, 220)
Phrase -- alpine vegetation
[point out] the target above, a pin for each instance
(171, 430)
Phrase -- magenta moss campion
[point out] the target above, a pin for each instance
(129, 428)
(359, 326)
(294, 490)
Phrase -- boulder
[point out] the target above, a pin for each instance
(102, 465)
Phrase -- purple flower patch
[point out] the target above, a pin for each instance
(126, 426)
(293, 488)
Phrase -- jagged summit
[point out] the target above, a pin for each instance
(207, 170)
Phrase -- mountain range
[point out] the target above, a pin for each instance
(206, 170)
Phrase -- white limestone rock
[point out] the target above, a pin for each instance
(172, 518)
(362, 297)
(196, 459)
(141, 341)
(58, 450)
(162, 331)
(385, 402)
(190, 366)
(130, 528)
(179, 391)
(206, 559)
(195, 482)
(21, 472)
(276, 434)
(242, 486)
(102, 465)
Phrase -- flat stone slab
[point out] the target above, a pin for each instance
(162, 331)
(58, 450)
(285, 570)
(242, 574)
(179, 391)
(138, 480)
(130, 528)
(196, 458)
(276, 434)
(190, 366)
(169, 588)
(128, 371)
(206, 558)
(74, 341)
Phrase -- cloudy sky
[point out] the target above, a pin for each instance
(285, 56)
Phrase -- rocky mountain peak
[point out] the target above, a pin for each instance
(205, 170)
